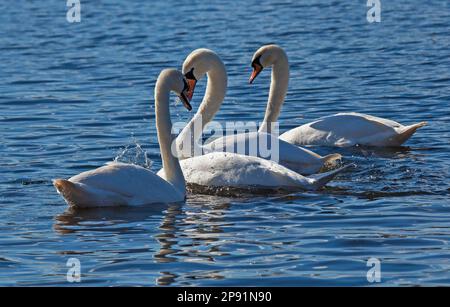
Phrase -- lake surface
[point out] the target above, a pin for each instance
(74, 96)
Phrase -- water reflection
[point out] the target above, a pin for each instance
(399, 152)
(97, 219)
(84, 120)
(192, 234)
(189, 233)
(194, 231)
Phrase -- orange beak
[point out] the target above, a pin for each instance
(186, 102)
(190, 92)
(256, 71)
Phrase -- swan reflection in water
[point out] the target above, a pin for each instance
(185, 232)
(182, 243)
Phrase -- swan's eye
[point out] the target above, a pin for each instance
(257, 63)
(257, 68)
(185, 96)
(190, 75)
(191, 82)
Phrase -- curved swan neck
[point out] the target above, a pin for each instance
(171, 165)
(278, 90)
(214, 95)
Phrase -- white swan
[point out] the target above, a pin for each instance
(224, 169)
(342, 129)
(119, 184)
(204, 61)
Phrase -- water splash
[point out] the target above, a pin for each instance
(134, 154)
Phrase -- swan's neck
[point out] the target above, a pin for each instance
(214, 95)
(171, 165)
(278, 90)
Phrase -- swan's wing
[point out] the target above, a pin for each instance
(233, 170)
(348, 129)
(268, 146)
(248, 144)
(220, 169)
(127, 180)
(354, 125)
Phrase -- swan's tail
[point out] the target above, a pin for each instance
(319, 180)
(331, 160)
(72, 193)
(406, 132)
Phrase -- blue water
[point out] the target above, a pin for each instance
(74, 96)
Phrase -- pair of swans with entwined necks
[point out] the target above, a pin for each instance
(120, 184)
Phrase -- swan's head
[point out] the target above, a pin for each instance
(198, 63)
(265, 56)
(173, 80)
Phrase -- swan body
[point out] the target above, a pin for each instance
(205, 61)
(120, 184)
(117, 184)
(343, 129)
(223, 169)
(298, 159)
(350, 129)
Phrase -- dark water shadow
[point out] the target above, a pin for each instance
(399, 152)
(192, 234)
(69, 220)
(189, 232)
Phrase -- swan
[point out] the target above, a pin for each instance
(203, 62)
(231, 170)
(120, 184)
(342, 129)
(224, 169)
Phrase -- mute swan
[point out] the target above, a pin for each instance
(224, 169)
(342, 129)
(119, 184)
(205, 61)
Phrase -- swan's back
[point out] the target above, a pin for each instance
(234, 170)
(255, 143)
(268, 146)
(348, 129)
(117, 184)
(360, 125)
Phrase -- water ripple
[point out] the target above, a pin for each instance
(74, 96)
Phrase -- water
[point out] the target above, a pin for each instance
(74, 96)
